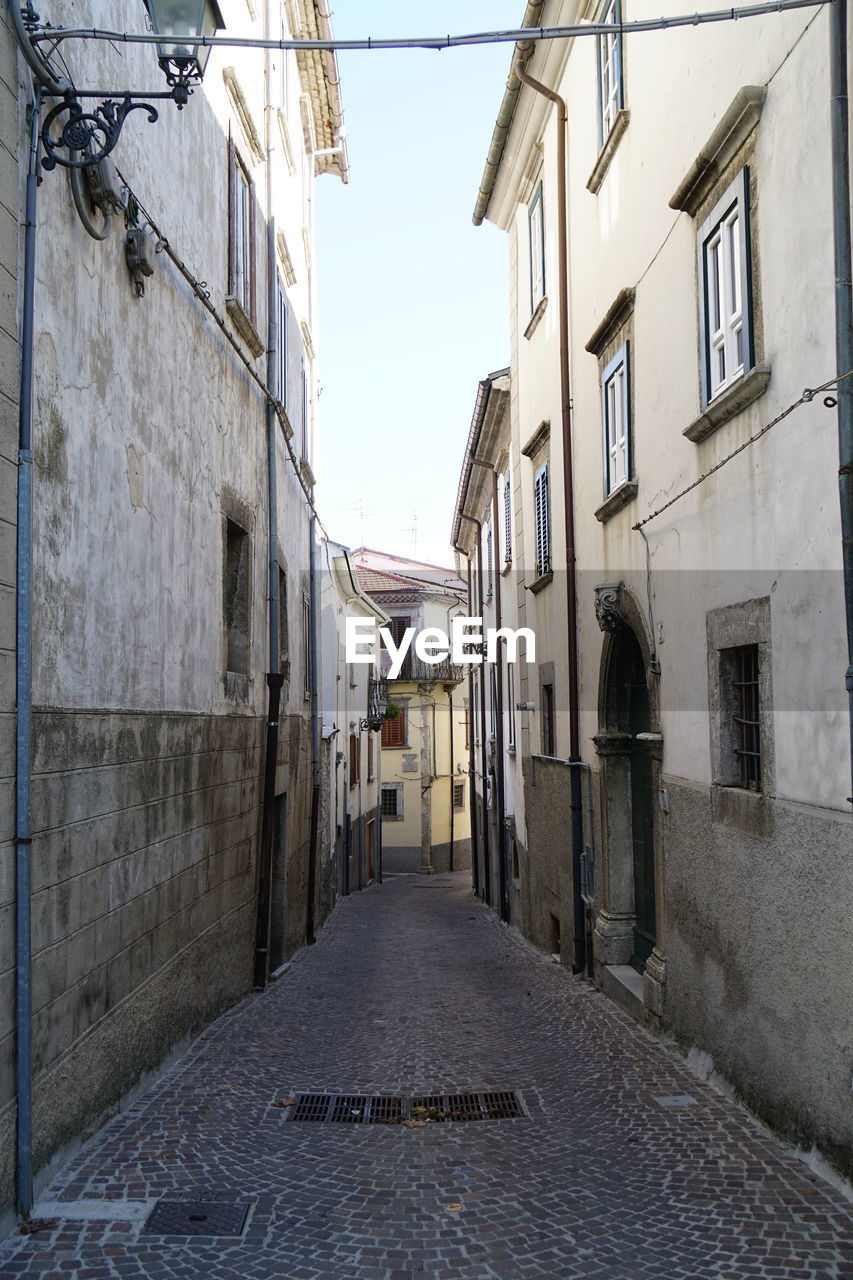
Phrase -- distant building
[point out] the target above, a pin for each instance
(425, 784)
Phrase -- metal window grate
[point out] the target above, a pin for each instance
(747, 749)
(352, 1108)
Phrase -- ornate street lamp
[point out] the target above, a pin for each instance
(184, 64)
(377, 703)
(76, 139)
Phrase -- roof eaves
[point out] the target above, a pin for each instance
(522, 54)
(483, 392)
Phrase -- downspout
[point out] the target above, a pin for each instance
(579, 923)
(503, 882)
(448, 689)
(274, 676)
(24, 693)
(843, 315)
(315, 740)
(487, 853)
(472, 794)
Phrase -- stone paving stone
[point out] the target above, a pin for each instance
(410, 992)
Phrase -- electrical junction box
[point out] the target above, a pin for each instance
(104, 187)
(140, 249)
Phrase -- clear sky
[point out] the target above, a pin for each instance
(413, 298)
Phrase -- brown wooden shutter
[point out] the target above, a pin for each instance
(393, 731)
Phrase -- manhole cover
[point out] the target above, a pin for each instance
(675, 1100)
(196, 1218)
(438, 1108)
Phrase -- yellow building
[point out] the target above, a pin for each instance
(424, 795)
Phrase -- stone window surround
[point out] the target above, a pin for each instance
(612, 332)
(732, 627)
(392, 786)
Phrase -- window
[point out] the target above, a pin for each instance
(726, 296)
(459, 795)
(241, 273)
(548, 727)
(304, 412)
(510, 704)
(489, 560)
(235, 598)
(391, 802)
(742, 705)
(306, 644)
(397, 627)
(537, 249)
(281, 365)
(610, 90)
(354, 759)
(542, 521)
(507, 521)
(371, 774)
(467, 725)
(616, 421)
(394, 730)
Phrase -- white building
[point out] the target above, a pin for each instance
(694, 301)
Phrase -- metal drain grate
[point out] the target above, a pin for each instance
(196, 1218)
(438, 1108)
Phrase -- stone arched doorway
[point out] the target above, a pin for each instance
(629, 745)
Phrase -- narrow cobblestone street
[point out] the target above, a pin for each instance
(413, 986)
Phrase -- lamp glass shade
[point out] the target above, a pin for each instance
(184, 18)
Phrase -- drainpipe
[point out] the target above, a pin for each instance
(274, 676)
(315, 741)
(503, 881)
(843, 314)
(448, 689)
(472, 794)
(579, 924)
(24, 694)
(487, 853)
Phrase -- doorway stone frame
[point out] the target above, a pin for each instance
(616, 609)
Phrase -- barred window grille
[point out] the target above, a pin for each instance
(746, 735)
(542, 520)
(458, 795)
(389, 802)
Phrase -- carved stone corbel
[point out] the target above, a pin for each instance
(608, 608)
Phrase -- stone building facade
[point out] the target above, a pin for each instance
(174, 560)
(708, 888)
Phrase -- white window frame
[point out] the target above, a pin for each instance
(611, 97)
(725, 302)
(281, 321)
(242, 237)
(616, 421)
(542, 520)
(536, 229)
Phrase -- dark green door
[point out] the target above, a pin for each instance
(642, 829)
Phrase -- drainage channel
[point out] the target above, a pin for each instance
(434, 1108)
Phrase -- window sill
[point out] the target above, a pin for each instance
(729, 403)
(750, 812)
(243, 325)
(602, 164)
(536, 317)
(541, 582)
(618, 499)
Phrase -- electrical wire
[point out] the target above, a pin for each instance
(808, 395)
(514, 36)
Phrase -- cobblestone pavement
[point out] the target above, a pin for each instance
(413, 986)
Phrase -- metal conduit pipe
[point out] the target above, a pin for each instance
(310, 937)
(843, 315)
(274, 676)
(487, 853)
(579, 923)
(24, 695)
(472, 796)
